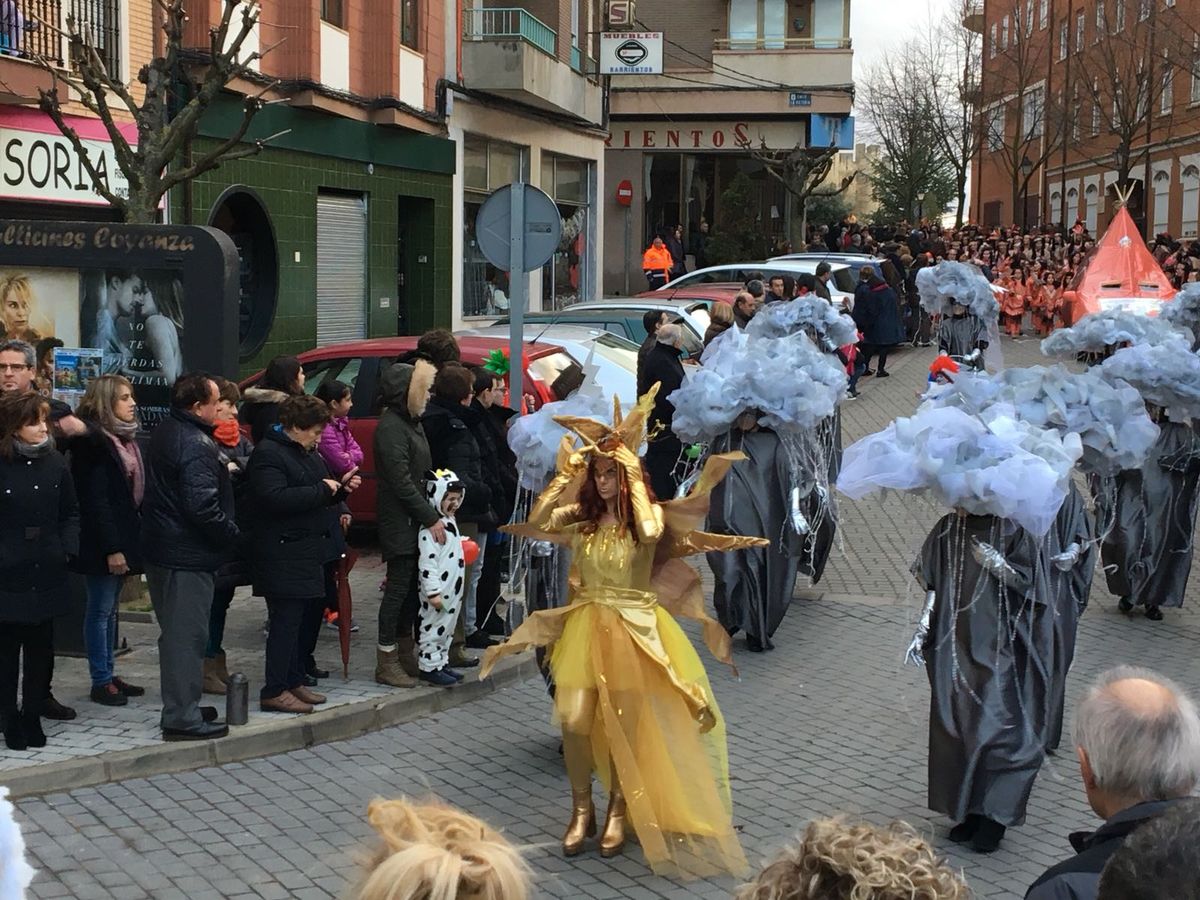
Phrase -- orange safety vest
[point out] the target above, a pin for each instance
(655, 259)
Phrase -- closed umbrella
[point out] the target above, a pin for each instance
(345, 604)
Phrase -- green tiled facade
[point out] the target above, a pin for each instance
(288, 181)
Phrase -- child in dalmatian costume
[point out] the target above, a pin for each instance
(441, 581)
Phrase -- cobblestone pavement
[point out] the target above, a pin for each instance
(829, 722)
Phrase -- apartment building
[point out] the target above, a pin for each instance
(343, 221)
(1085, 101)
(40, 174)
(523, 102)
(777, 73)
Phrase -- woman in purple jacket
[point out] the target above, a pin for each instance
(338, 447)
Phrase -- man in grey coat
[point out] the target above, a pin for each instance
(1137, 737)
(401, 460)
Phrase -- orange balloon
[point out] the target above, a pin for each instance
(470, 551)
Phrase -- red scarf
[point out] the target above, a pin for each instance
(227, 432)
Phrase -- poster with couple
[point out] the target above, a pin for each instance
(133, 317)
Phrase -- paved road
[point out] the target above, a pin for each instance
(829, 722)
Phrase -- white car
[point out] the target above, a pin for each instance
(613, 357)
(841, 283)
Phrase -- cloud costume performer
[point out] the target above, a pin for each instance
(632, 696)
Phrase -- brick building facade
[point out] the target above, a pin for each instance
(1085, 101)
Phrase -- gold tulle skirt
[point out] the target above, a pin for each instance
(628, 677)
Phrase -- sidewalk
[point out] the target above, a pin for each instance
(111, 743)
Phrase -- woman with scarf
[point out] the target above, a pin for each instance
(111, 480)
(631, 694)
(40, 535)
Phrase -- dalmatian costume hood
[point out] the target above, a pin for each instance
(442, 570)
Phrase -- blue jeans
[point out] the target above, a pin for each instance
(100, 625)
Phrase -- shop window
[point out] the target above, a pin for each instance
(1162, 200)
(487, 166)
(1073, 205)
(241, 214)
(1092, 199)
(566, 278)
(1191, 200)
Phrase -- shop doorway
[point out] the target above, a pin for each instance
(415, 307)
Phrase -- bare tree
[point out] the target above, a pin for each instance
(952, 60)
(914, 174)
(801, 171)
(1023, 124)
(166, 117)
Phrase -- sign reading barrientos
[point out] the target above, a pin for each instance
(684, 135)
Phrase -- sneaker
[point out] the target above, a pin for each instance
(439, 678)
(129, 690)
(52, 709)
(1125, 605)
(108, 695)
(883, 374)
(457, 676)
(353, 626)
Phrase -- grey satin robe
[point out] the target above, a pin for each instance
(754, 586)
(1150, 543)
(1057, 621)
(985, 746)
(960, 335)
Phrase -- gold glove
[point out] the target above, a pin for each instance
(647, 515)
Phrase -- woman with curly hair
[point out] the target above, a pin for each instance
(631, 694)
(837, 860)
(435, 852)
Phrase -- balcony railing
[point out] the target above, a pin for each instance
(509, 24)
(33, 29)
(772, 43)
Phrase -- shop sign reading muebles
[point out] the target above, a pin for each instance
(41, 166)
(631, 53)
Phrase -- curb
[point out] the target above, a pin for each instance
(247, 742)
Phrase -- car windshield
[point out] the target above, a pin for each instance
(699, 312)
(616, 350)
(558, 372)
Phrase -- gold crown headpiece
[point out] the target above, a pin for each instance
(629, 431)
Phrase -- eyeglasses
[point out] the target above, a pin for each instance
(14, 367)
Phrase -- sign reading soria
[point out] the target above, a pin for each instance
(38, 163)
(705, 135)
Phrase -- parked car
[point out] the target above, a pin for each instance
(613, 355)
(623, 316)
(706, 294)
(854, 261)
(360, 363)
(842, 282)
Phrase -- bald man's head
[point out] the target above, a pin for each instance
(1138, 735)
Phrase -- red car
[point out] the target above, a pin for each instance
(708, 294)
(359, 364)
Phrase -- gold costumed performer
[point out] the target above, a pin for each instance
(631, 694)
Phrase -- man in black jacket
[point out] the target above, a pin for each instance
(663, 368)
(188, 532)
(1137, 736)
(448, 425)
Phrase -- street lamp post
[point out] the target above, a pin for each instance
(1026, 171)
(920, 207)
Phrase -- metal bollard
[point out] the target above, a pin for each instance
(237, 700)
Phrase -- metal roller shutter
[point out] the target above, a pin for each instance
(341, 268)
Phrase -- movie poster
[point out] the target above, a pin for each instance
(74, 369)
(133, 317)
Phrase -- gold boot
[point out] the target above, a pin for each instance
(612, 841)
(583, 822)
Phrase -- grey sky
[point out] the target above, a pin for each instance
(877, 25)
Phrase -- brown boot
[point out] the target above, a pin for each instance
(212, 680)
(388, 671)
(222, 669)
(406, 656)
(285, 702)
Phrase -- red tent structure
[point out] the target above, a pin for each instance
(1120, 273)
